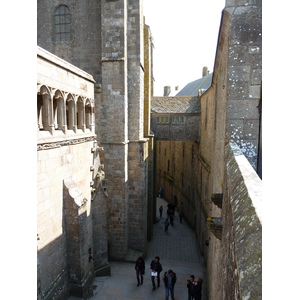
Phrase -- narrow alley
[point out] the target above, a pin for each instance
(178, 250)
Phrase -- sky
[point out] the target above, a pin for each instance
(185, 35)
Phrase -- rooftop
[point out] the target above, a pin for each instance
(192, 88)
(175, 104)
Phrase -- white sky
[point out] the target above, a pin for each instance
(185, 37)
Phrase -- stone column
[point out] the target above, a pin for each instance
(78, 234)
(112, 123)
(48, 113)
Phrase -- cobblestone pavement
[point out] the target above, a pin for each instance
(178, 250)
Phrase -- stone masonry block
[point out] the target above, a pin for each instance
(240, 109)
(254, 91)
(256, 76)
(239, 73)
(238, 92)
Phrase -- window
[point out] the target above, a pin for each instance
(178, 120)
(62, 24)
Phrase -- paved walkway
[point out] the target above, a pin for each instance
(178, 250)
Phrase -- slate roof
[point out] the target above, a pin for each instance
(192, 88)
(175, 104)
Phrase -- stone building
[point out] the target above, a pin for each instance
(99, 167)
(114, 46)
(69, 173)
(223, 200)
(175, 122)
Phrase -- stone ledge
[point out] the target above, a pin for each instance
(244, 195)
(216, 227)
(217, 199)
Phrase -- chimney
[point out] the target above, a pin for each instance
(205, 71)
(167, 91)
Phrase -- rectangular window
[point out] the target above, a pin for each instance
(167, 119)
(163, 119)
(158, 119)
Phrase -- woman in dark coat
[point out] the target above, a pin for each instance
(140, 270)
(197, 289)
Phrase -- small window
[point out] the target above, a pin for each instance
(62, 24)
(158, 119)
(167, 119)
(181, 119)
(163, 119)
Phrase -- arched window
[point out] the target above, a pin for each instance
(45, 110)
(88, 114)
(70, 113)
(80, 114)
(62, 24)
(59, 111)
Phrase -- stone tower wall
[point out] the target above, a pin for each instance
(245, 76)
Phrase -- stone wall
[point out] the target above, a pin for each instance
(84, 47)
(67, 166)
(54, 166)
(242, 228)
(245, 76)
(211, 159)
(148, 87)
(110, 46)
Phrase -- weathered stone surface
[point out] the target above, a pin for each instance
(242, 228)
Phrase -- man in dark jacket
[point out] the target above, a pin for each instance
(169, 279)
(156, 268)
(140, 270)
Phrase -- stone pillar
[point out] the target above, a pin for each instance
(147, 119)
(135, 46)
(138, 146)
(112, 122)
(78, 233)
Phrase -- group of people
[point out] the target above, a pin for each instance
(169, 279)
(170, 215)
(194, 288)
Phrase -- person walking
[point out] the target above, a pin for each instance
(140, 270)
(160, 192)
(166, 225)
(197, 289)
(161, 210)
(156, 268)
(189, 285)
(180, 215)
(169, 279)
(172, 220)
